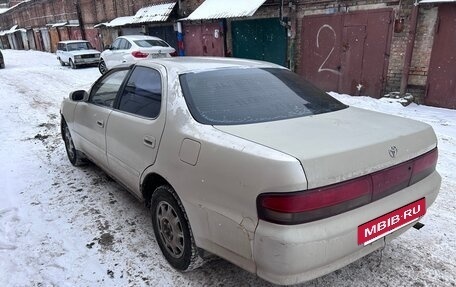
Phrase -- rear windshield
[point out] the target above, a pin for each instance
(244, 96)
(151, 43)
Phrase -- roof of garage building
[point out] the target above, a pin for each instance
(119, 21)
(216, 9)
(154, 13)
(11, 30)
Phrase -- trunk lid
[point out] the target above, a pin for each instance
(342, 145)
(157, 51)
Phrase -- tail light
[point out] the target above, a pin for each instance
(424, 166)
(310, 205)
(139, 54)
(173, 54)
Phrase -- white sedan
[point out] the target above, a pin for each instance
(76, 53)
(130, 49)
(248, 161)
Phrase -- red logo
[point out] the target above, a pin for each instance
(390, 222)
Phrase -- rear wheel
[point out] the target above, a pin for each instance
(102, 67)
(73, 155)
(62, 63)
(172, 230)
(72, 65)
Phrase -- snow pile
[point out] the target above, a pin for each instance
(67, 226)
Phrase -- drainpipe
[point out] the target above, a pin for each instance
(81, 24)
(292, 24)
(409, 49)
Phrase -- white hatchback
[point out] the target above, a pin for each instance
(129, 49)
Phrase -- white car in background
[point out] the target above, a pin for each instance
(130, 49)
(77, 53)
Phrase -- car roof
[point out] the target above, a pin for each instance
(140, 37)
(73, 41)
(200, 64)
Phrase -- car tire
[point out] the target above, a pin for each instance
(72, 65)
(102, 67)
(73, 154)
(172, 230)
(62, 63)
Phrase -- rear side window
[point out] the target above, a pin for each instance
(124, 44)
(116, 44)
(142, 93)
(243, 96)
(151, 43)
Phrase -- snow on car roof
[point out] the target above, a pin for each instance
(199, 64)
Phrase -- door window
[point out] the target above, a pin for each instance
(105, 90)
(142, 93)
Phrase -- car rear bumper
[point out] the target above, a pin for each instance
(289, 254)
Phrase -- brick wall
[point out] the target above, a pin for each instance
(38, 13)
(423, 46)
(14, 2)
(398, 46)
(421, 52)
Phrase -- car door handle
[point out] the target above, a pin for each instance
(149, 141)
(100, 124)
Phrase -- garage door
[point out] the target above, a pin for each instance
(54, 36)
(46, 39)
(441, 86)
(260, 39)
(204, 39)
(348, 52)
(166, 33)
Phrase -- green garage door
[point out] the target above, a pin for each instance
(260, 39)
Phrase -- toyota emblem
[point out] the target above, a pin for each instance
(392, 151)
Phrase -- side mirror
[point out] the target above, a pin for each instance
(108, 47)
(79, 96)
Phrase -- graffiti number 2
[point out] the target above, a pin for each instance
(321, 69)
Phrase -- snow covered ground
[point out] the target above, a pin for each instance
(67, 226)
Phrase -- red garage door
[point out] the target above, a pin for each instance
(205, 39)
(347, 52)
(441, 85)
